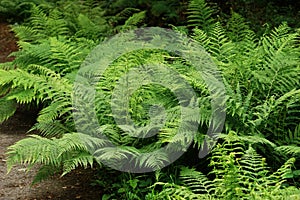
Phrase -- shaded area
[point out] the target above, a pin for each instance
(7, 42)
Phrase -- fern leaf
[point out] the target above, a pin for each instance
(200, 15)
(134, 21)
(7, 109)
(196, 181)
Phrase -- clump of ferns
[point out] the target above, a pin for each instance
(237, 172)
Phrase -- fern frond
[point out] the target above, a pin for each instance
(51, 25)
(196, 181)
(46, 87)
(254, 171)
(279, 58)
(83, 159)
(289, 150)
(31, 54)
(280, 176)
(292, 138)
(201, 37)
(126, 13)
(66, 57)
(56, 25)
(25, 96)
(176, 192)
(26, 33)
(89, 29)
(45, 172)
(68, 151)
(200, 15)
(28, 151)
(134, 21)
(49, 129)
(237, 28)
(220, 47)
(7, 108)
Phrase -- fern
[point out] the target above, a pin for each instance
(279, 58)
(139, 102)
(7, 109)
(197, 181)
(260, 76)
(289, 145)
(41, 25)
(67, 153)
(237, 28)
(200, 15)
(236, 175)
(52, 128)
(134, 21)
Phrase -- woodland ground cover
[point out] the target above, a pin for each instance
(260, 70)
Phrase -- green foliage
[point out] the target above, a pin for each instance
(18, 8)
(8, 108)
(46, 67)
(237, 174)
(289, 144)
(264, 15)
(261, 77)
(124, 185)
(67, 152)
(140, 109)
(200, 15)
(159, 12)
(238, 28)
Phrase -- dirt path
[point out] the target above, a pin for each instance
(17, 184)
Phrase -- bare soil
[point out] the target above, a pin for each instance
(17, 183)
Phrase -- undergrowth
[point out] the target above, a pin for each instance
(261, 77)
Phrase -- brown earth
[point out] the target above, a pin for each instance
(17, 183)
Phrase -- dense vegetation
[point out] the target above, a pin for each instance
(257, 154)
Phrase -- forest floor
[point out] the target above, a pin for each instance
(17, 183)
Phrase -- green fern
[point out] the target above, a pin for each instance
(65, 153)
(134, 21)
(41, 25)
(7, 109)
(200, 15)
(279, 58)
(237, 174)
(237, 28)
(260, 76)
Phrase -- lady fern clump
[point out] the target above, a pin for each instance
(46, 66)
(260, 74)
